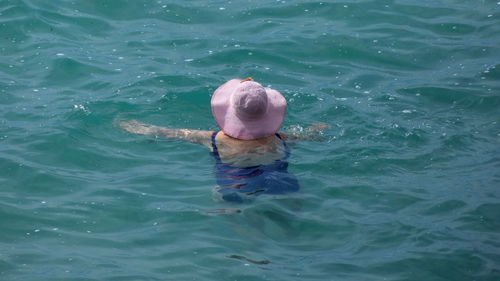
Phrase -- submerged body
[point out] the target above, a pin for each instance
(245, 176)
(243, 168)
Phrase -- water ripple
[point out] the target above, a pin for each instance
(403, 188)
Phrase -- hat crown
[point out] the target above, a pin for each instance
(245, 110)
(250, 100)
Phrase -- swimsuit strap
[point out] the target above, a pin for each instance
(215, 151)
(287, 149)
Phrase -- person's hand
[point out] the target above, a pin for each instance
(315, 131)
(319, 126)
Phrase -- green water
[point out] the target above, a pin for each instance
(405, 186)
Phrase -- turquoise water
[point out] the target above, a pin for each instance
(405, 186)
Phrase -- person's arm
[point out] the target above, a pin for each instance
(196, 136)
(312, 133)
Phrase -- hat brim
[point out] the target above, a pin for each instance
(229, 122)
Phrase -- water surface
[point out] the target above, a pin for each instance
(405, 186)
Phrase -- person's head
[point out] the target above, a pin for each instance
(246, 110)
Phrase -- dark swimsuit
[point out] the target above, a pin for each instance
(256, 180)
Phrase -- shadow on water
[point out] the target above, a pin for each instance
(261, 223)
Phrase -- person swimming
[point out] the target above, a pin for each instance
(250, 154)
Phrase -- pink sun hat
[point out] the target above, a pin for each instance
(246, 110)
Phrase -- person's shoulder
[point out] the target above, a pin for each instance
(198, 136)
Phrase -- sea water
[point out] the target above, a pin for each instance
(404, 186)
